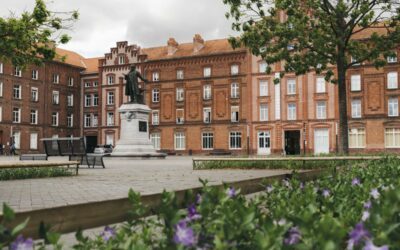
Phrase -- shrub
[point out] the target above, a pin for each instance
(28, 173)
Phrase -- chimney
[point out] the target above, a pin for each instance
(198, 43)
(172, 46)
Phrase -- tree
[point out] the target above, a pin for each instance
(320, 36)
(32, 37)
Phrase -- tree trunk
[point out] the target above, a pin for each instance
(343, 126)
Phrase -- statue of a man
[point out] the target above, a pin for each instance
(132, 86)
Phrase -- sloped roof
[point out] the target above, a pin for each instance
(71, 57)
(187, 49)
(91, 64)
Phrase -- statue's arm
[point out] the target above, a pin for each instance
(141, 77)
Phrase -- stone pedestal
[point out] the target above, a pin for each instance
(134, 138)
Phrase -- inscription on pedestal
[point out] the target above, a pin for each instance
(142, 126)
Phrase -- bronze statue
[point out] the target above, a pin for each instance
(132, 86)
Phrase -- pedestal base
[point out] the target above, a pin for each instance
(134, 141)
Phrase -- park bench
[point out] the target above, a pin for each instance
(220, 152)
(33, 157)
(38, 164)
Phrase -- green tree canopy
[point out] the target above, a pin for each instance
(32, 37)
(326, 36)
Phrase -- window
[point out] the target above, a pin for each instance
(235, 114)
(207, 71)
(392, 59)
(155, 117)
(179, 74)
(321, 110)
(1, 68)
(357, 138)
(70, 120)
(87, 120)
(156, 140)
(34, 116)
(156, 77)
(17, 139)
(95, 100)
(355, 61)
(17, 72)
(1, 89)
(207, 92)
(70, 81)
(155, 93)
(320, 85)
(70, 100)
(35, 74)
(180, 114)
(263, 88)
(87, 84)
(33, 141)
(110, 119)
(235, 140)
(179, 141)
(291, 86)
(16, 115)
(95, 120)
(392, 137)
(263, 112)
(355, 83)
(34, 94)
(110, 79)
(235, 90)
(179, 94)
(121, 59)
(88, 100)
(291, 111)
(56, 78)
(1, 113)
(109, 139)
(356, 108)
(207, 115)
(56, 97)
(393, 106)
(110, 98)
(262, 67)
(95, 83)
(234, 69)
(207, 140)
(392, 80)
(54, 119)
(17, 92)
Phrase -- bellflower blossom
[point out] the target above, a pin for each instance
(375, 193)
(231, 192)
(192, 213)
(367, 205)
(358, 234)
(184, 235)
(355, 182)
(108, 233)
(365, 215)
(22, 244)
(293, 236)
(369, 245)
(326, 193)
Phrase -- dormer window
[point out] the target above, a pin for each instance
(156, 77)
(121, 59)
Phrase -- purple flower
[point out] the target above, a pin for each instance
(367, 205)
(269, 188)
(375, 193)
(355, 182)
(358, 234)
(108, 233)
(293, 236)
(369, 245)
(301, 185)
(192, 213)
(365, 216)
(326, 193)
(231, 192)
(184, 235)
(21, 244)
(198, 198)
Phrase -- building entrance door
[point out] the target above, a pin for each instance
(264, 143)
(292, 142)
(91, 143)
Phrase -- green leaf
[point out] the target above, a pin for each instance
(8, 213)
(19, 227)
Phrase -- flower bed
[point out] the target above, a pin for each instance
(30, 173)
(357, 208)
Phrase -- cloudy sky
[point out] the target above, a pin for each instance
(144, 22)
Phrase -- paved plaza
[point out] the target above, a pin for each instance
(145, 176)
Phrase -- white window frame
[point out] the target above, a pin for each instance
(121, 59)
(393, 106)
(234, 69)
(17, 72)
(110, 79)
(88, 100)
(56, 78)
(235, 90)
(70, 120)
(235, 113)
(87, 84)
(16, 115)
(87, 120)
(207, 115)
(355, 82)
(179, 141)
(180, 74)
(95, 83)
(1, 68)
(155, 117)
(263, 112)
(17, 139)
(54, 119)
(320, 85)
(110, 98)
(17, 92)
(156, 76)
(34, 94)
(1, 113)
(291, 86)
(95, 120)
(207, 72)
(263, 87)
(70, 100)
(358, 132)
(35, 74)
(110, 119)
(180, 120)
(95, 98)
(320, 110)
(1, 89)
(235, 138)
(70, 81)
(180, 94)
(395, 133)
(356, 108)
(34, 116)
(207, 141)
(155, 95)
(56, 97)
(262, 67)
(155, 139)
(33, 141)
(207, 91)
(392, 59)
(392, 80)
(291, 111)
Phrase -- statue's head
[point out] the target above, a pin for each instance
(133, 67)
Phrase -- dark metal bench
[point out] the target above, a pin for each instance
(33, 157)
(220, 152)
